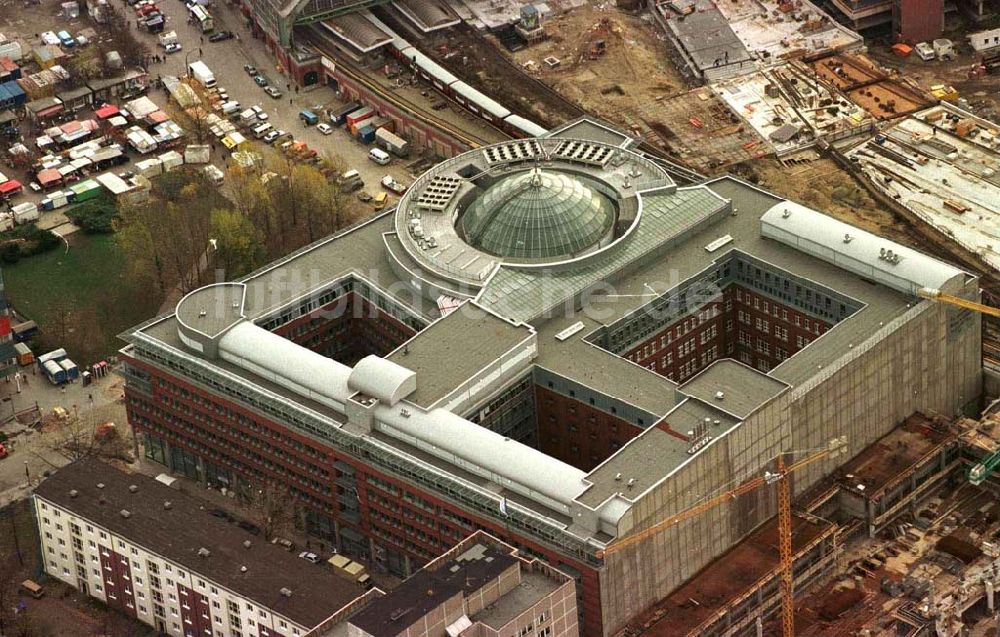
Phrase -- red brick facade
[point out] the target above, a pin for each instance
(196, 615)
(396, 516)
(118, 581)
(744, 325)
(577, 433)
(347, 329)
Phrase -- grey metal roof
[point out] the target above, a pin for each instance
(212, 309)
(525, 294)
(453, 349)
(707, 37)
(743, 388)
(383, 379)
(895, 266)
(592, 130)
(652, 455)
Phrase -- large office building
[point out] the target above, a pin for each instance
(551, 340)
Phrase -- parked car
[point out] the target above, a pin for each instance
(250, 69)
(324, 128)
(261, 113)
(220, 36)
(173, 47)
(271, 137)
(273, 92)
(261, 80)
(309, 557)
(390, 183)
(283, 543)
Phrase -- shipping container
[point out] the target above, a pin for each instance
(338, 115)
(6, 222)
(392, 143)
(363, 113)
(197, 154)
(54, 372)
(86, 190)
(366, 134)
(72, 371)
(149, 167)
(24, 354)
(170, 160)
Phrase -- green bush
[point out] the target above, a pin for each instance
(94, 216)
(26, 241)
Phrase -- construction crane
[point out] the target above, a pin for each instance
(779, 477)
(978, 473)
(941, 297)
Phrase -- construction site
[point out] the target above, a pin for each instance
(900, 540)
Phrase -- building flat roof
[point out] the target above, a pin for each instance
(454, 349)
(427, 589)
(744, 389)
(179, 532)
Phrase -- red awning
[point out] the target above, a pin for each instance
(49, 176)
(10, 186)
(49, 112)
(106, 111)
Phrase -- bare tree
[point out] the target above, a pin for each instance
(272, 509)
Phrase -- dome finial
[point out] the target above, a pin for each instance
(536, 177)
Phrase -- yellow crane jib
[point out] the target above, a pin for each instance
(939, 296)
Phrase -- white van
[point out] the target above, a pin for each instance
(230, 107)
(262, 129)
(378, 156)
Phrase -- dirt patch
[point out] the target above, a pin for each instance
(610, 62)
(822, 185)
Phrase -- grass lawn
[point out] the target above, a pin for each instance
(81, 297)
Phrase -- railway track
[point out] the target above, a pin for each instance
(400, 102)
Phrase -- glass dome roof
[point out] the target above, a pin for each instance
(538, 214)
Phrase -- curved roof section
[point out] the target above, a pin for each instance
(382, 379)
(509, 463)
(538, 214)
(282, 362)
(863, 253)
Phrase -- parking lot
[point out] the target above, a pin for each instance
(227, 60)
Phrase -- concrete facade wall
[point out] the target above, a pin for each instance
(103, 564)
(927, 360)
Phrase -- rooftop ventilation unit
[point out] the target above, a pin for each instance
(73, 493)
(720, 395)
(125, 513)
(132, 488)
(204, 552)
(243, 569)
(438, 193)
(286, 592)
(167, 504)
(100, 485)
(522, 150)
(246, 544)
